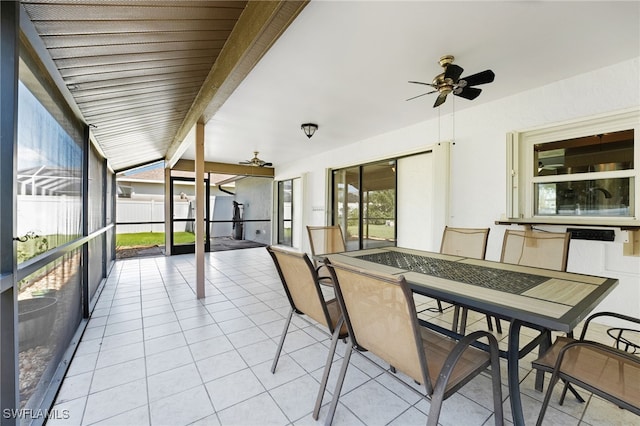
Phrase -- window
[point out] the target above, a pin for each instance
(581, 172)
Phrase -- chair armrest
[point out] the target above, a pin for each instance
(606, 314)
(455, 355)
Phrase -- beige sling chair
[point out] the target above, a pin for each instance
(610, 372)
(381, 318)
(465, 242)
(300, 281)
(325, 240)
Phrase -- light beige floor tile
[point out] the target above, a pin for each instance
(260, 410)
(167, 360)
(173, 381)
(210, 347)
(120, 354)
(233, 388)
(220, 365)
(136, 417)
(68, 413)
(115, 375)
(164, 343)
(74, 387)
(182, 408)
(114, 401)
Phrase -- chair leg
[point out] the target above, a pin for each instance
(567, 386)
(547, 398)
(339, 382)
(545, 344)
(439, 305)
(327, 369)
(284, 334)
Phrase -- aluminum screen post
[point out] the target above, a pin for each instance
(9, 54)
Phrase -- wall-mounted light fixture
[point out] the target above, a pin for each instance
(309, 129)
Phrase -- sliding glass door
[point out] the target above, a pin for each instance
(364, 204)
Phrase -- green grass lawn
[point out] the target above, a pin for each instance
(151, 239)
(376, 231)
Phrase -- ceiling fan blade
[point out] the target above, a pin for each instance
(440, 100)
(420, 82)
(483, 77)
(428, 93)
(469, 93)
(453, 72)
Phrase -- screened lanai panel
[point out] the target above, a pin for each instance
(49, 215)
(110, 219)
(95, 217)
(49, 173)
(49, 312)
(96, 191)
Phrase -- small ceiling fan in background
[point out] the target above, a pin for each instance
(450, 82)
(256, 162)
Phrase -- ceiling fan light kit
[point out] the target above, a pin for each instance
(450, 82)
(309, 129)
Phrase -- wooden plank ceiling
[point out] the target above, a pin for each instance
(135, 68)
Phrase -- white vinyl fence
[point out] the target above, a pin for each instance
(147, 211)
(128, 210)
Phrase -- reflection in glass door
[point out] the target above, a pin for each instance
(183, 201)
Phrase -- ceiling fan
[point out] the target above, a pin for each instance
(256, 162)
(450, 82)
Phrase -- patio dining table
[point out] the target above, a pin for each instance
(542, 299)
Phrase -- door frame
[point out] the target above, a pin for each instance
(188, 248)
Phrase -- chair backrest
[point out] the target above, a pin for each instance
(466, 242)
(381, 318)
(547, 250)
(299, 279)
(326, 239)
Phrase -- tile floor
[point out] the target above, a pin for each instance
(155, 355)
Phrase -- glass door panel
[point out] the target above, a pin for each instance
(285, 212)
(346, 204)
(379, 204)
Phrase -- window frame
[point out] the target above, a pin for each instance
(280, 219)
(521, 179)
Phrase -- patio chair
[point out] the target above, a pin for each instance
(466, 242)
(325, 240)
(381, 318)
(610, 372)
(548, 250)
(300, 282)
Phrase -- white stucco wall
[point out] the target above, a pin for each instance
(256, 195)
(477, 187)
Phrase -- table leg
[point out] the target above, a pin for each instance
(514, 374)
